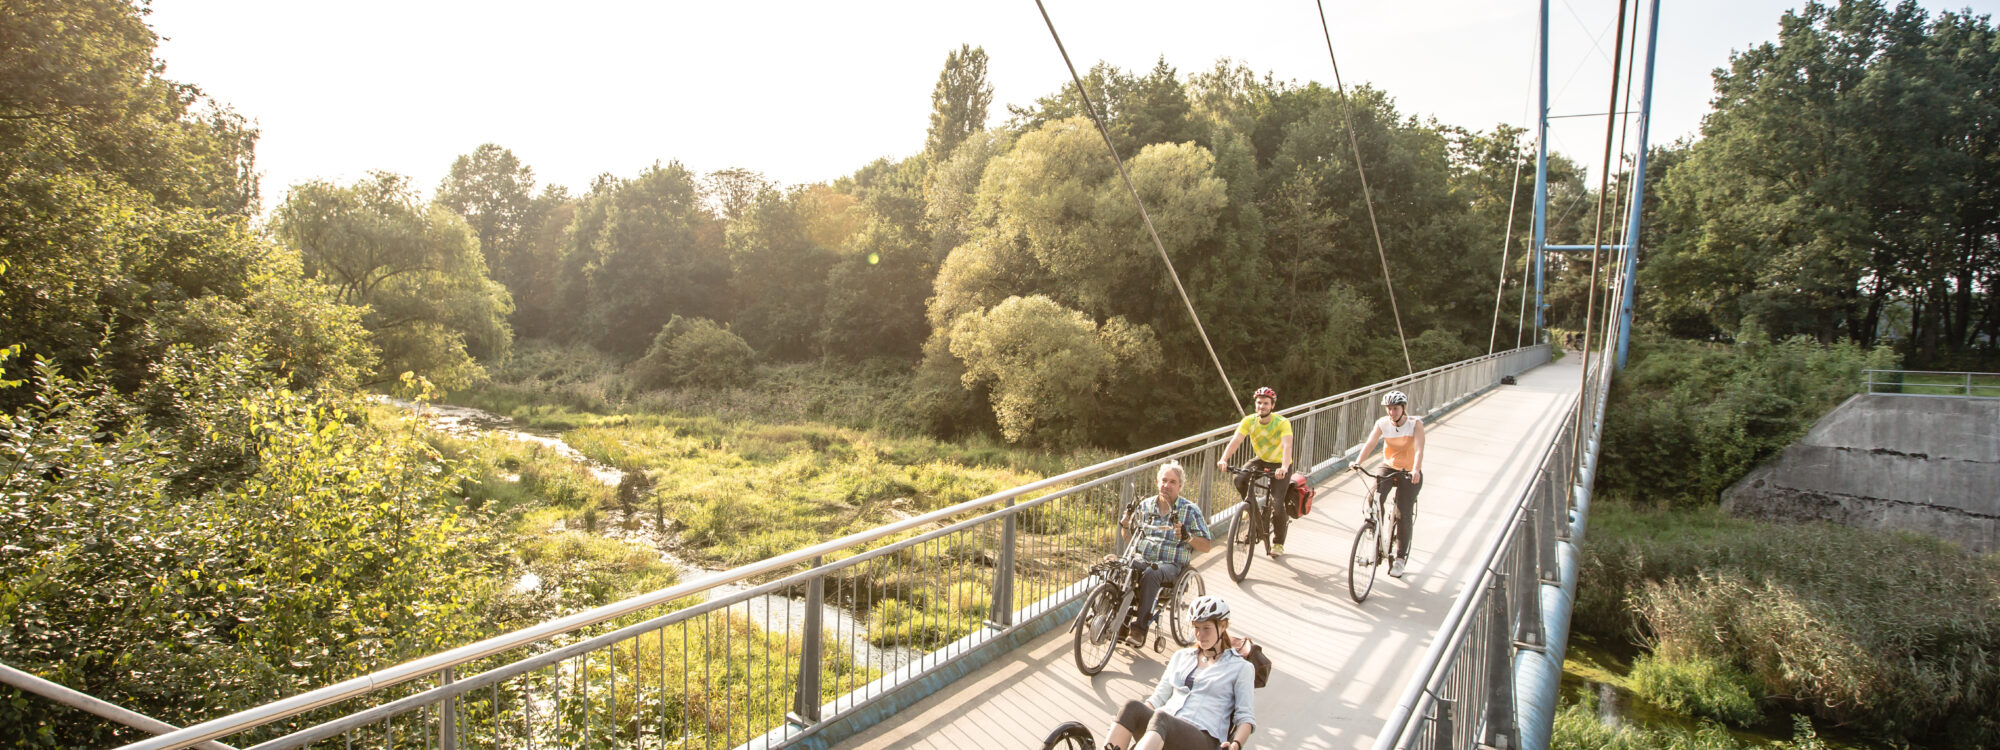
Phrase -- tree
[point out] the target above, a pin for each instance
(1847, 170)
(416, 267)
(1048, 366)
(778, 275)
(640, 252)
(125, 201)
(495, 193)
(958, 103)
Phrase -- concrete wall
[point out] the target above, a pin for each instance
(1921, 463)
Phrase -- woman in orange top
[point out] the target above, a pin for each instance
(1402, 438)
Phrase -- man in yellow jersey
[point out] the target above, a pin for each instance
(1402, 438)
(1270, 437)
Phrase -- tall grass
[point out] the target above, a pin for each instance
(1893, 633)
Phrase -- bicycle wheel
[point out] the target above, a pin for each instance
(1186, 589)
(1069, 735)
(1242, 542)
(1096, 631)
(1361, 564)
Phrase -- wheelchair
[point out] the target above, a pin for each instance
(1111, 602)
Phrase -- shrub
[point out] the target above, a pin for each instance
(1696, 686)
(694, 352)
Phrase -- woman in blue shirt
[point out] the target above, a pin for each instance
(1203, 701)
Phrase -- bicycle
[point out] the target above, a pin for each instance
(1371, 545)
(1096, 630)
(1253, 522)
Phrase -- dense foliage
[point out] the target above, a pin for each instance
(264, 544)
(1687, 419)
(1846, 186)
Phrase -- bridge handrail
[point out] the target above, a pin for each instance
(1897, 382)
(1121, 468)
(1478, 709)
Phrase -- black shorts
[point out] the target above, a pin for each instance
(1137, 717)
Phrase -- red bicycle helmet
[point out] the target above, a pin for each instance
(1265, 391)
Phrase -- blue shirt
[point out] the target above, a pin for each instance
(1220, 696)
(1158, 540)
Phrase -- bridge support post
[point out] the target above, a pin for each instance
(447, 715)
(1552, 518)
(1500, 731)
(1446, 736)
(1527, 587)
(805, 705)
(1305, 455)
(1000, 615)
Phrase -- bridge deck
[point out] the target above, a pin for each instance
(1338, 667)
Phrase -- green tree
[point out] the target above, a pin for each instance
(958, 103)
(639, 252)
(125, 201)
(495, 193)
(416, 267)
(779, 275)
(1048, 366)
(1845, 172)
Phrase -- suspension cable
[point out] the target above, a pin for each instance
(1597, 234)
(1367, 198)
(1157, 245)
(1507, 241)
(1506, 245)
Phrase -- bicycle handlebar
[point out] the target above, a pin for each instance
(1386, 473)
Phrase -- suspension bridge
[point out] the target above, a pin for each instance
(1464, 650)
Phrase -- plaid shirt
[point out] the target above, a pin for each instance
(1158, 541)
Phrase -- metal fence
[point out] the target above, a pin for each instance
(771, 653)
(1463, 693)
(1924, 383)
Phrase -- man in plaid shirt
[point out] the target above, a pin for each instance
(1171, 531)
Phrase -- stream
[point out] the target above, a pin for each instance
(771, 610)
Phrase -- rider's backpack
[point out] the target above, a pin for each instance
(1302, 496)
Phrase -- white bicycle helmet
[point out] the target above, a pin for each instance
(1208, 608)
(1395, 397)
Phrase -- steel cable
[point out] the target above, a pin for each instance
(1366, 197)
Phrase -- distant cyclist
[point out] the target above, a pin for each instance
(1171, 530)
(1204, 699)
(1402, 438)
(1270, 437)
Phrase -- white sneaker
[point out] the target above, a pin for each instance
(1396, 568)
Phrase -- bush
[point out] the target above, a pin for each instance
(1696, 686)
(694, 352)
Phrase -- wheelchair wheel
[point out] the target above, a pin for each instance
(1187, 588)
(1096, 630)
(1069, 735)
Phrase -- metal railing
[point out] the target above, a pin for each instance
(771, 653)
(1462, 695)
(1931, 383)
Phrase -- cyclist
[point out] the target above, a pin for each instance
(1402, 438)
(1171, 531)
(1203, 700)
(1270, 437)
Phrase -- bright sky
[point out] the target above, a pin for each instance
(811, 91)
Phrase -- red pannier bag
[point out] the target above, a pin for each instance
(1302, 496)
